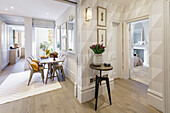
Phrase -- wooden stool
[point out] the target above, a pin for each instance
(100, 79)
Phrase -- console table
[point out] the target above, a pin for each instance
(100, 79)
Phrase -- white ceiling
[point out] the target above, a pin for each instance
(42, 9)
(13, 20)
(17, 27)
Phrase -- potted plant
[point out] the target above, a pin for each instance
(98, 49)
(44, 46)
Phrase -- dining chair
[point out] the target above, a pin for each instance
(31, 57)
(51, 71)
(40, 70)
(59, 55)
(59, 67)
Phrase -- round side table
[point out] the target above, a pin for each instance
(100, 79)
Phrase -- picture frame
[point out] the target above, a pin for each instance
(138, 35)
(101, 16)
(102, 36)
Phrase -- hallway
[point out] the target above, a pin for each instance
(127, 97)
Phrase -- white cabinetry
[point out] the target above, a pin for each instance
(4, 45)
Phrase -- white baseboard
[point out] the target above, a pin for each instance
(69, 74)
(155, 99)
(5, 66)
(88, 94)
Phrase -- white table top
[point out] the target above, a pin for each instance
(50, 60)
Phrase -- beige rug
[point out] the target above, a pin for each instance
(15, 86)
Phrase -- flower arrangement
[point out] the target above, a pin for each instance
(47, 51)
(44, 46)
(98, 48)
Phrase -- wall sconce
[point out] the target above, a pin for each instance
(88, 14)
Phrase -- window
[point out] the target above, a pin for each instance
(58, 37)
(71, 36)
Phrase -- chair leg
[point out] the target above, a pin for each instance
(47, 76)
(54, 72)
(57, 76)
(31, 74)
(62, 71)
(42, 75)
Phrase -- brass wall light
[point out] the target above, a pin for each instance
(88, 14)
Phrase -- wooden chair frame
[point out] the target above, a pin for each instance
(59, 67)
(41, 70)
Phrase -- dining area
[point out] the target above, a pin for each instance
(52, 63)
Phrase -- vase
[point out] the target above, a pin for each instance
(97, 59)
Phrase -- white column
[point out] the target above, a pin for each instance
(28, 39)
(0, 45)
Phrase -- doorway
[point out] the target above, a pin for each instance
(139, 51)
(117, 49)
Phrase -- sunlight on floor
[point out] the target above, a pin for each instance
(141, 74)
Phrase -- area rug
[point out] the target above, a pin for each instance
(15, 86)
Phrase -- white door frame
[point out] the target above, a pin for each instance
(119, 48)
(167, 56)
(126, 48)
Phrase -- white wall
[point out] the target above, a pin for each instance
(28, 39)
(88, 36)
(153, 9)
(70, 64)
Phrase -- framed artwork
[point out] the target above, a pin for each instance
(102, 36)
(138, 36)
(101, 16)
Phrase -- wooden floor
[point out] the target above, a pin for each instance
(141, 74)
(127, 97)
(15, 68)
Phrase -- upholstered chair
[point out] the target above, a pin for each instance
(34, 69)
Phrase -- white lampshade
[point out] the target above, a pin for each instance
(88, 14)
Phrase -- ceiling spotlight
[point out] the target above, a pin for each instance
(47, 13)
(6, 9)
(12, 7)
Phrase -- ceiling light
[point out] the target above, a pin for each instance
(47, 13)
(6, 9)
(16, 20)
(12, 7)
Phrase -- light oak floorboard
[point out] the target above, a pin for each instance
(128, 96)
